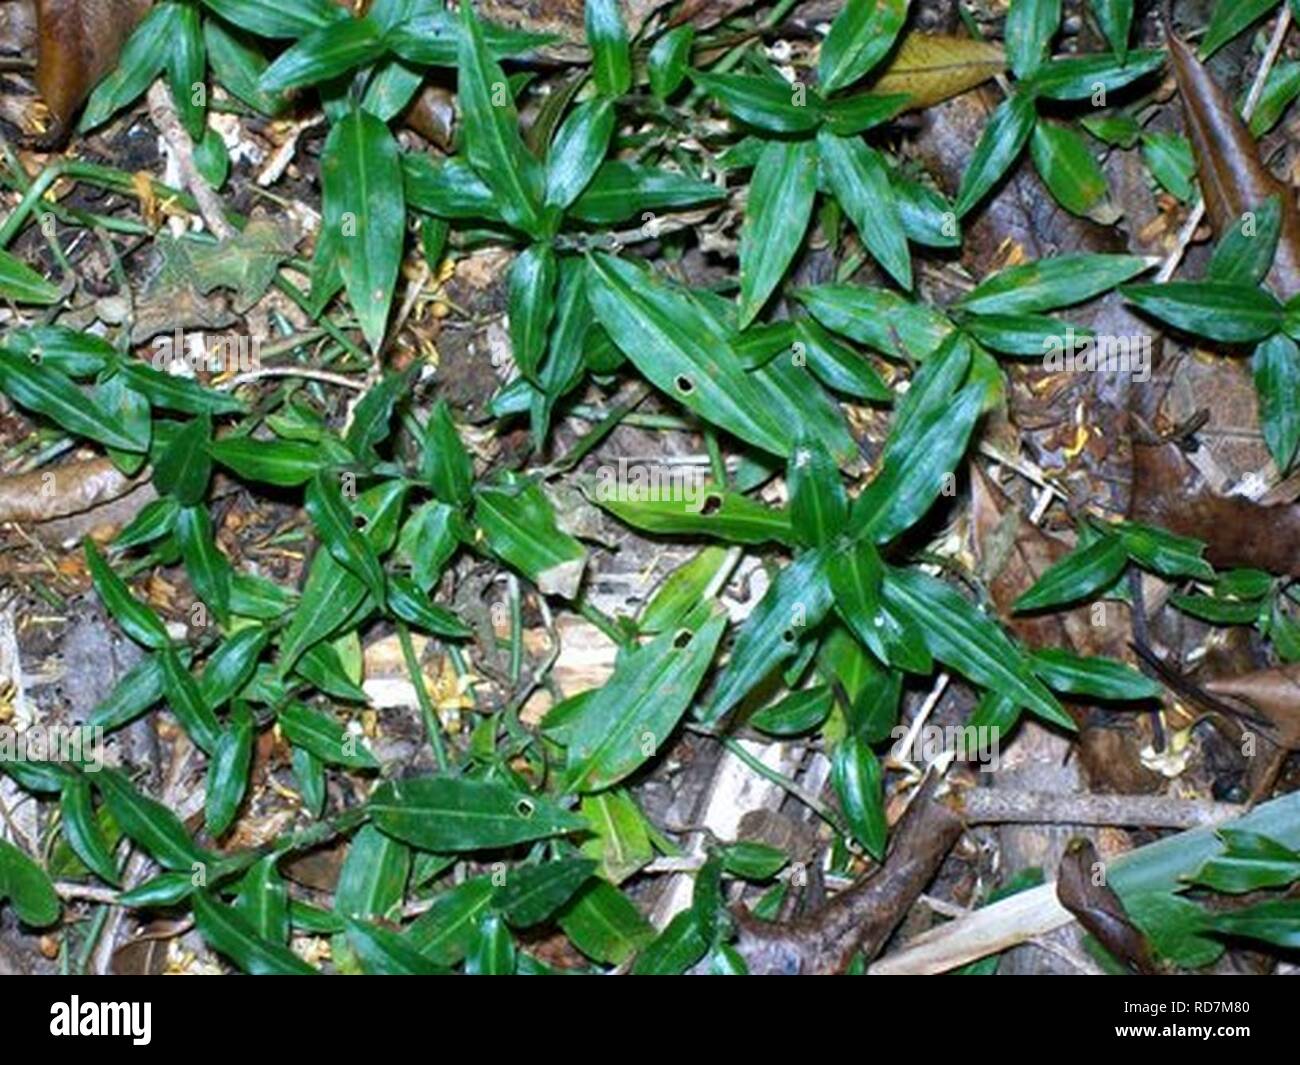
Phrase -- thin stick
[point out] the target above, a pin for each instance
(293, 371)
(997, 806)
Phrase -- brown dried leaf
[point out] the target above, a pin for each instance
(47, 494)
(79, 42)
(932, 68)
(1273, 694)
(1233, 180)
(1097, 907)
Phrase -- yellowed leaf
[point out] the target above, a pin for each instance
(933, 68)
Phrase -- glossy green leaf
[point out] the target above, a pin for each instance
(532, 303)
(208, 569)
(1249, 862)
(620, 190)
(767, 103)
(336, 526)
(228, 771)
(702, 510)
(1089, 76)
(384, 952)
(285, 18)
(228, 932)
(1047, 284)
(20, 283)
(374, 876)
(999, 145)
(27, 887)
(776, 217)
(82, 830)
(326, 53)
(279, 462)
(518, 525)
(797, 713)
(46, 390)
(858, 782)
(532, 893)
(1103, 678)
(1030, 27)
(670, 60)
(1276, 368)
(324, 737)
(578, 149)
(883, 320)
(149, 823)
(1067, 167)
(1077, 575)
(861, 35)
(137, 620)
(444, 932)
(604, 924)
(1164, 552)
(819, 507)
(860, 182)
(448, 814)
(611, 58)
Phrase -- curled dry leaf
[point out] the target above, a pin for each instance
(1081, 889)
(931, 68)
(44, 495)
(1233, 180)
(79, 41)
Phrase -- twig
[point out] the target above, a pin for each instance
(293, 371)
(989, 806)
(163, 113)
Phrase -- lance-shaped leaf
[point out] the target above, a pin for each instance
(450, 814)
(1091, 76)
(1116, 20)
(670, 60)
(518, 525)
(280, 462)
(490, 128)
(1102, 678)
(228, 772)
(682, 350)
(702, 510)
(858, 783)
(1051, 283)
(532, 303)
(765, 102)
(365, 209)
(1030, 27)
(443, 934)
(795, 602)
(324, 737)
(285, 18)
(1230, 19)
(883, 320)
(374, 876)
(999, 146)
(1234, 314)
(857, 176)
(137, 620)
(621, 190)
(229, 932)
(1245, 253)
(326, 53)
(20, 283)
(1067, 167)
(611, 58)
(776, 217)
(798, 712)
(48, 391)
(533, 893)
(208, 569)
(819, 507)
(449, 189)
(1276, 366)
(28, 887)
(383, 952)
(1250, 861)
(83, 832)
(860, 37)
(186, 702)
(149, 823)
(1077, 576)
(630, 718)
(963, 638)
(336, 526)
(578, 150)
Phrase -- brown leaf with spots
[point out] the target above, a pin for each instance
(78, 43)
(1233, 180)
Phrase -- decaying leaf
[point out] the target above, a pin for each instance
(1081, 887)
(1233, 180)
(932, 68)
(78, 44)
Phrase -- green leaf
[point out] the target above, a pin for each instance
(141, 59)
(682, 350)
(445, 464)
(1103, 678)
(324, 737)
(230, 933)
(604, 924)
(795, 602)
(963, 638)
(1116, 20)
(231, 665)
(1067, 167)
(1230, 19)
(1047, 284)
(1276, 367)
(186, 702)
(621, 190)
(448, 189)
(1084, 77)
(383, 952)
(862, 34)
(411, 604)
(577, 151)
(363, 205)
(1030, 27)
(28, 887)
(1249, 862)
(531, 305)
(280, 462)
(532, 893)
(1281, 87)
(752, 861)
(860, 182)
(173, 392)
(702, 510)
(48, 391)
(325, 54)
(621, 840)
(1077, 575)
(67, 350)
(849, 115)
(518, 525)
(183, 469)
(20, 283)
(768, 103)
(837, 366)
(1163, 552)
(444, 933)
(186, 67)
(670, 60)
(776, 217)
(149, 823)
(263, 900)
(237, 65)
(819, 507)
(797, 713)
(1169, 158)
(490, 131)
(228, 772)
(999, 146)
(447, 814)
(885, 321)
(1276, 922)
(630, 718)
(1245, 253)
(285, 18)
(336, 526)
(82, 831)
(138, 690)
(208, 569)
(374, 876)
(679, 946)
(1118, 130)
(611, 58)
(858, 783)
(137, 620)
